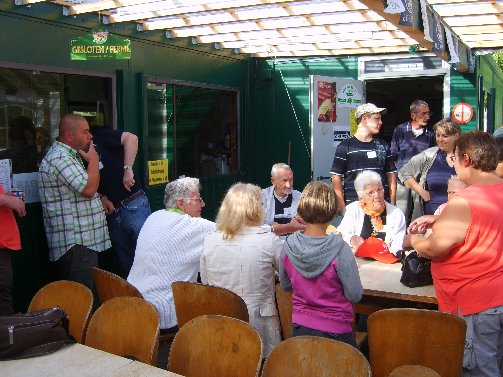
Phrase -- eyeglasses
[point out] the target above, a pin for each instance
(425, 113)
(375, 192)
(200, 199)
(453, 157)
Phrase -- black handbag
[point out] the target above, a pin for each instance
(33, 334)
(416, 270)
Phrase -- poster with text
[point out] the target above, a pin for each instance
(327, 94)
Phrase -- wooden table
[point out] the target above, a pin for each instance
(383, 280)
(77, 360)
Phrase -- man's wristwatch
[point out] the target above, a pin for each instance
(126, 167)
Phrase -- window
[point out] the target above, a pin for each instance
(194, 127)
(32, 102)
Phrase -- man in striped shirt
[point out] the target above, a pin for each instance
(74, 218)
(361, 152)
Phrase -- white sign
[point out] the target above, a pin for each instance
(6, 174)
(349, 97)
(462, 112)
(27, 183)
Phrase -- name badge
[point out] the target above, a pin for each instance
(371, 154)
(288, 212)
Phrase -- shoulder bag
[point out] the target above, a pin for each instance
(415, 270)
(33, 334)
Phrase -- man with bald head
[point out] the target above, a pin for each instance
(74, 218)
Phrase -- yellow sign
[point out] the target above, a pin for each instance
(157, 172)
(352, 122)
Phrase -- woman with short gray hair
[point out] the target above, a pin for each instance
(372, 216)
(169, 247)
(180, 189)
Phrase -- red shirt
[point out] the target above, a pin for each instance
(470, 277)
(9, 232)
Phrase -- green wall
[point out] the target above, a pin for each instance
(44, 43)
(279, 113)
(463, 89)
(492, 78)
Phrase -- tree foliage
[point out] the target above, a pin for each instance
(498, 56)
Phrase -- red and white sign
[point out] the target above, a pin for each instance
(462, 112)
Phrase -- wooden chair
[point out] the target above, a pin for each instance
(284, 305)
(415, 337)
(74, 298)
(193, 300)
(312, 356)
(110, 286)
(125, 326)
(216, 346)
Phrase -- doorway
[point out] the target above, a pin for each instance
(396, 95)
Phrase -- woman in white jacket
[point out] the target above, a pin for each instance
(243, 255)
(372, 216)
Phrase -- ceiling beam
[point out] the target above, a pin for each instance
(413, 32)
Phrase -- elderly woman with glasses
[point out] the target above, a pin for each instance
(372, 216)
(433, 167)
(242, 256)
(169, 247)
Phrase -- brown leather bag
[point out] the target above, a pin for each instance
(33, 334)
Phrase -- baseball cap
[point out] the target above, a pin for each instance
(377, 249)
(368, 108)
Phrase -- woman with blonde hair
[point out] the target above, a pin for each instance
(243, 255)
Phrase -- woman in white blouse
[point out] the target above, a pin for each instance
(243, 255)
(372, 216)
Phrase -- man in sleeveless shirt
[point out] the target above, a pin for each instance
(281, 201)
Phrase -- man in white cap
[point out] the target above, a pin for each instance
(361, 152)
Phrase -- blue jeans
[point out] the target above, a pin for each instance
(124, 226)
(348, 338)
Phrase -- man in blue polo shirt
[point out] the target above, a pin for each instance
(409, 139)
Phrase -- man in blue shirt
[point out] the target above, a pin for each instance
(123, 199)
(409, 139)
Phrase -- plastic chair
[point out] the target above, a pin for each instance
(125, 326)
(110, 286)
(415, 337)
(193, 300)
(216, 346)
(74, 298)
(284, 305)
(312, 356)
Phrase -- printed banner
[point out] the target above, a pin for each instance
(393, 6)
(427, 16)
(327, 94)
(411, 16)
(438, 36)
(100, 45)
(453, 44)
